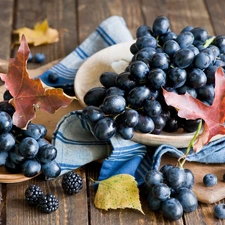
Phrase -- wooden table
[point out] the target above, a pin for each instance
(75, 20)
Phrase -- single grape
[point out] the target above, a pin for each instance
(53, 77)
(29, 147)
(152, 178)
(196, 78)
(202, 60)
(3, 157)
(51, 169)
(143, 30)
(114, 104)
(171, 209)
(160, 60)
(152, 107)
(170, 47)
(145, 124)
(5, 122)
(95, 96)
(31, 168)
(190, 179)
(115, 91)
(108, 79)
(15, 155)
(46, 153)
(126, 132)
(183, 58)
(187, 199)
(139, 71)
(200, 35)
(104, 129)
(160, 25)
(185, 39)
(153, 202)
(161, 191)
(33, 131)
(146, 41)
(125, 82)
(219, 211)
(210, 180)
(7, 141)
(92, 113)
(176, 77)
(157, 79)
(129, 118)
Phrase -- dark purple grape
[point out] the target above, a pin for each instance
(53, 77)
(3, 157)
(29, 147)
(145, 124)
(31, 168)
(202, 60)
(210, 180)
(200, 35)
(46, 153)
(114, 104)
(115, 91)
(157, 79)
(183, 58)
(194, 49)
(160, 60)
(33, 131)
(146, 41)
(171, 209)
(108, 79)
(129, 118)
(171, 125)
(143, 30)
(176, 77)
(219, 211)
(7, 96)
(209, 51)
(159, 122)
(12, 167)
(161, 191)
(206, 93)
(139, 71)
(95, 96)
(152, 108)
(133, 48)
(153, 203)
(39, 57)
(160, 26)
(210, 74)
(170, 35)
(125, 82)
(15, 155)
(104, 129)
(215, 50)
(152, 178)
(43, 130)
(187, 28)
(175, 177)
(219, 41)
(170, 47)
(190, 90)
(126, 132)
(5, 122)
(51, 169)
(7, 107)
(196, 78)
(92, 113)
(145, 53)
(138, 95)
(185, 39)
(187, 199)
(7, 141)
(190, 179)
(190, 125)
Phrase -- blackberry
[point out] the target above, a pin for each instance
(48, 203)
(32, 194)
(72, 183)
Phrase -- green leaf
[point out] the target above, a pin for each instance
(119, 191)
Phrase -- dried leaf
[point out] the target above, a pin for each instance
(192, 108)
(28, 93)
(119, 191)
(41, 34)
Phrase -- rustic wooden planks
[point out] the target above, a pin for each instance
(76, 20)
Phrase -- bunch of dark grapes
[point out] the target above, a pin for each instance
(169, 190)
(25, 150)
(132, 101)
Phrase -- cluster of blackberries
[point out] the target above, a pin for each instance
(47, 203)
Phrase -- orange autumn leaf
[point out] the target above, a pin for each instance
(41, 34)
(29, 93)
(191, 108)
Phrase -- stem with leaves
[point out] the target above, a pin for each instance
(182, 160)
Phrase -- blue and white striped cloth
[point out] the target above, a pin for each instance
(111, 31)
(74, 141)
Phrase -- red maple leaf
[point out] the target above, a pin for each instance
(29, 93)
(191, 108)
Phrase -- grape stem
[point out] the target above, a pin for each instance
(182, 160)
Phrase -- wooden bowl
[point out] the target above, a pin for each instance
(116, 58)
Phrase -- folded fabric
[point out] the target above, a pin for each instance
(77, 146)
(111, 31)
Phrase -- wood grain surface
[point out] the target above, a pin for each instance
(75, 20)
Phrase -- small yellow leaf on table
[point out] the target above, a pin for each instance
(119, 191)
(41, 34)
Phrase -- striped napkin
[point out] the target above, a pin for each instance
(73, 138)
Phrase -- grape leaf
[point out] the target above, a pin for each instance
(192, 108)
(41, 34)
(29, 93)
(119, 191)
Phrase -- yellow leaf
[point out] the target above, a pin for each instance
(119, 191)
(41, 34)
